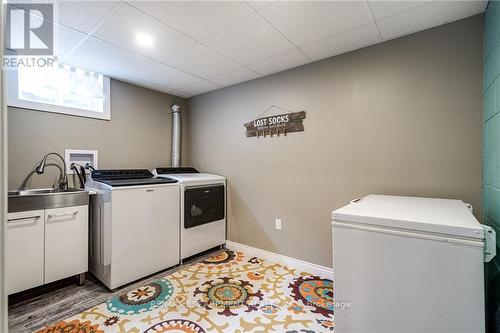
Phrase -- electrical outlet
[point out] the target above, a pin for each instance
(277, 224)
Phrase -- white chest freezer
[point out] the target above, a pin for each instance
(405, 264)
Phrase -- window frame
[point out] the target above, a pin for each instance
(14, 101)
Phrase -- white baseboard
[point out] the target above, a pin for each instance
(301, 265)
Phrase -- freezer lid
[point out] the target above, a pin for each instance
(443, 216)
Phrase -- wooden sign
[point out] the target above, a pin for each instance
(280, 124)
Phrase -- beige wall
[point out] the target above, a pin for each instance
(138, 135)
(403, 117)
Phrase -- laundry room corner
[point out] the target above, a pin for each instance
(389, 118)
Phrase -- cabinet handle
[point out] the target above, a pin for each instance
(21, 219)
(63, 214)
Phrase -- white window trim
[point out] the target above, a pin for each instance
(14, 101)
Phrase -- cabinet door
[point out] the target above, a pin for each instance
(24, 250)
(66, 242)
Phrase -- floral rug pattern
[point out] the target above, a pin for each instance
(227, 292)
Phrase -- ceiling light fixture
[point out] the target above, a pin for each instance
(144, 40)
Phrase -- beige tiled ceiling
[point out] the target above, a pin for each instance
(429, 15)
(199, 46)
(197, 19)
(342, 42)
(280, 62)
(83, 15)
(197, 88)
(381, 9)
(249, 40)
(121, 27)
(303, 22)
(235, 76)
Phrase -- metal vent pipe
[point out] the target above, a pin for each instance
(176, 135)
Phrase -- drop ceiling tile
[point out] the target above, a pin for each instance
(126, 22)
(82, 15)
(65, 39)
(343, 42)
(427, 16)
(305, 21)
(108, 59)
(145, 84)
(125, 77)
(199, 87)
(158, 73)
(381, 9)
(259, 4)
(235, 76)
(280, 62)
(197, 19)
(181, 93)
(249, 40)
(199, 59)
(100, 55)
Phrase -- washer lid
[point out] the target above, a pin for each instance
(128, 177)
(443, 216)
(136, 182)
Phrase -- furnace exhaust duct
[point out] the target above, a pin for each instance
(176, 135)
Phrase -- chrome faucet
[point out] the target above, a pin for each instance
(63, 177)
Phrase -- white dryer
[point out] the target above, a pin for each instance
(202, 209)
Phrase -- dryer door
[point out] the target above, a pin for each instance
(203, 205)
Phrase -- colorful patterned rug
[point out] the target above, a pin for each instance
(228, 292)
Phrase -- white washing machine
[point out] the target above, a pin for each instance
(202, 209)
(134, 226)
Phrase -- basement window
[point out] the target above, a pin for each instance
(60, 89)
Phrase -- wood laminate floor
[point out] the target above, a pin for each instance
(37, 308)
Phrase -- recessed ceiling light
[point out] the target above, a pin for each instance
(143, 39)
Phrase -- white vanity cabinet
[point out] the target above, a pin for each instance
(43, 246)
(24, 243)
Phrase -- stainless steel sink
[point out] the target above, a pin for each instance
(44, 191)
(46, 198)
